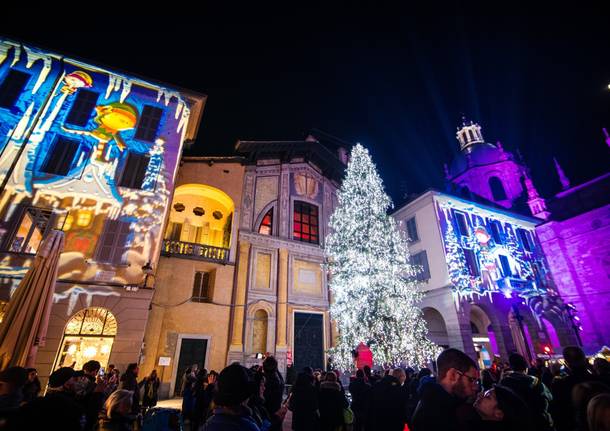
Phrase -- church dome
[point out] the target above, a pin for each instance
(476, 155)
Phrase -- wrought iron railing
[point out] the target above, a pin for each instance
(191, 250)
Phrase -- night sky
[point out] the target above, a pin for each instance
(396, 82)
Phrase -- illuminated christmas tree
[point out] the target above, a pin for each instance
(374, 297)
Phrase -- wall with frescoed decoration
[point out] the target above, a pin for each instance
(490, 252)
(101, 118)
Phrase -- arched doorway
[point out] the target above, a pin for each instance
(89, 335)
(437, 329)
(482, 337)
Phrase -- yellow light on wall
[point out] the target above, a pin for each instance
(72, 349)
(105, 349)
(68, 222)
(84, 218)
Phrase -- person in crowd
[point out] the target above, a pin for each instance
(387, 403)
(201, 402)
(90, 392)
(129, 382)
(111, 377)
(256, 403)
(601, 367)
(577, 371)
(331, 403)
(598, 413)
(487, 379)
(12, 381)
(231, 413)
(458, 377)
(581, 395)
(116, 415)
(151, 391)
(541, 371)
(500, 408)
(32, 387)
(274, 389)
(303, 403)
(359, 390)
(188, 398)
(57, 410)
(532, 391)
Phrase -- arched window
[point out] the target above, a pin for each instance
(497, 189)
(266, 226)
(305, 222)
(89, 335)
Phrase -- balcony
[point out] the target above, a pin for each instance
(189, 250)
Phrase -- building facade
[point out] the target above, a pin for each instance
(191, 308)
(281, 299)
(240, 274)
(576, 241)
(488, 289)
(93, 152)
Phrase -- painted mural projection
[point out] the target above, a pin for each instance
(89, 151)
(486, 255)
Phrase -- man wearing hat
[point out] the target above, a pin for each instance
(58, 409)
(231, 413)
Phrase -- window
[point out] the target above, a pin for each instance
(61, 156)
(134, 170)
(12, 87)
(201, 287)
(505, 266)
(496, 232)
(149, 123)
(461, 223)
(525, 239)
(471, 261)
(421, 260)
(81, 108)
(31, 231)
(174, 230)
(266, 227)
(497, 189)
(115, 241)
(412, 230)
(305, 222)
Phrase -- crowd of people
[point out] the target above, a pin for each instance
(455, 396)
(83, 400)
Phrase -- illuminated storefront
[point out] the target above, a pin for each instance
(89, 335)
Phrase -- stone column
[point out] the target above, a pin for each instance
(282, 310)
(236, 348)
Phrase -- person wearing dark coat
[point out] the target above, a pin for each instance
(531, 390)
(274, 389)
(457, 380)
(58, 409)
(359, 390)
(32, 388)
(151, 390)
(304, 404)
(331, 403)
(129, 382)
(387, 407)
(562, 409)
(235, 387)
